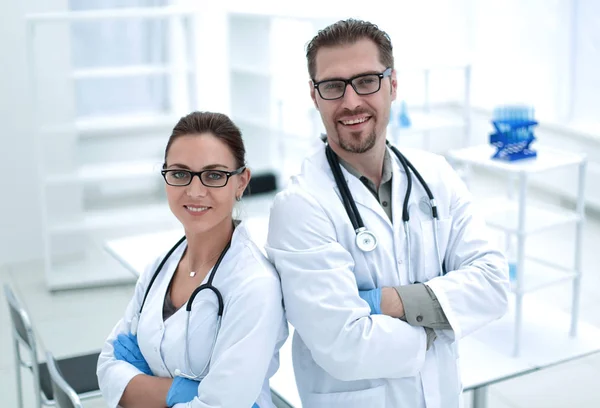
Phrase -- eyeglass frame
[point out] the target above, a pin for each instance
(228, 174)
(380, 75)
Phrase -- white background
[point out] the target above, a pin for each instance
(542, 52)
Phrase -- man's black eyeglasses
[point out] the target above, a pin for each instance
(364, 84)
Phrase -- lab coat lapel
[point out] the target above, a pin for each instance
(152, 314)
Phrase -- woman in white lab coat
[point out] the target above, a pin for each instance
(144, 361)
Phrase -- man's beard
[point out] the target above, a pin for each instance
(355, 145)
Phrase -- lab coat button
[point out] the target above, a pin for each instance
(419, 318)
(400, 262)
(385, 203)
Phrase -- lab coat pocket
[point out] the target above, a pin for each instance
(429, 262)
(372, 397)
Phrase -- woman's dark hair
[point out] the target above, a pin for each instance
(217, 124)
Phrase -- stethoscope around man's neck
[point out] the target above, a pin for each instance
(188, 308)
(366, 240)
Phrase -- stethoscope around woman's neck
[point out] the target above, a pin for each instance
(366, 240)
(188, 308)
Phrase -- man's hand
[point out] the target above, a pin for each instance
(373, 298)
(182, 391)
(391, 304)
(384, 301)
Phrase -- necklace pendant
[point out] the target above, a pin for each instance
(192, 274)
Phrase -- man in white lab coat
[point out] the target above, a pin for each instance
(377, 327)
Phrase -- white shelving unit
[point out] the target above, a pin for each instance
(106, 172)
(269, 95)
(110, 125)
(72, 229)
(252, 99)
(122, 218)
(424, 121)
(506, 216)
(520, 219)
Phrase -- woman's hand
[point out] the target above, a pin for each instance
(126, 348)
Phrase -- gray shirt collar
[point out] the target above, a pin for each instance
(386, 174)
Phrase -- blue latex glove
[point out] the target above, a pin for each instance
(373, 298)
(126, 348)
(182, 390)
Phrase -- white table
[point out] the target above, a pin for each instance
(485, 356)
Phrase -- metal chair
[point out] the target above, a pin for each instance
(79, 372)
(64, 395)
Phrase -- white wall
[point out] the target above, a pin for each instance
(587, 59)
(20, 220)
(20, 236)
(520, 53)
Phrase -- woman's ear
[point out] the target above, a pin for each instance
(244, 179)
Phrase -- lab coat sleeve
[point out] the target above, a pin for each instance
(252, 324)
(114, 375)
(322, 301)
(475, 290)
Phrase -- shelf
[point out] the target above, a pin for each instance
(127, 71)
(133, 13)
(503, 214)
(108, 172)
(537, 276)
(254, 122)
(459, 64)
(547, 159)
(251, 70)
(143, 215)
(125, 123)
(426, 122)
(115, 124)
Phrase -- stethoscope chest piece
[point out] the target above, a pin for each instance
(365, 240)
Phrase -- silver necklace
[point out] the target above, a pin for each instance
(193, 273)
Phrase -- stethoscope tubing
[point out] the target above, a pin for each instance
(188, 308)
(354, 215)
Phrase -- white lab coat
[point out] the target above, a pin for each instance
(246, 353)
(343, 357)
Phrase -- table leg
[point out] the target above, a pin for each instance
(578, 243)
(480, 397)
(519, 290)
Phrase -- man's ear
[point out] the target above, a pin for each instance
(394, 83)
(313, 94)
